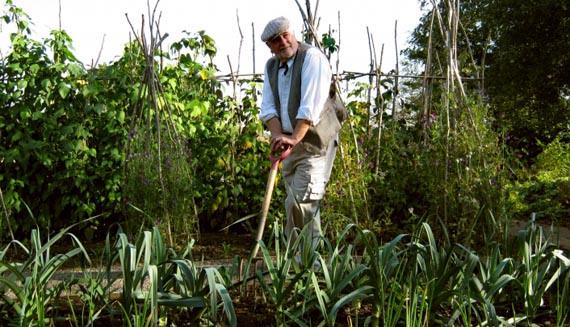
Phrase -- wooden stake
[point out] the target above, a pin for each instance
(380, 109)
(372, 72)
(253, 46)
(396, 90)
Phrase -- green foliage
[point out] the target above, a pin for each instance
(34, 295)
(537, 268)
(329, 44)
(285, 286)
(230, 155)
(545, 188)
(68, 131)
(469, 166)
(347, 199)
(61, 142)
(212, 164)
(554, 161)
(415, 281)
(175, 282)
(153, 201)
(340, 285)
(526, 76)
(448, 169)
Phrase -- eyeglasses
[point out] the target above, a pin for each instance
(277, 37)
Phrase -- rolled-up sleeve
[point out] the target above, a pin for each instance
(315, 84)
(268, 109)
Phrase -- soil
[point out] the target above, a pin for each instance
(224, 246)
(216, 246)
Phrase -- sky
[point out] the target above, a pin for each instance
(102, 24)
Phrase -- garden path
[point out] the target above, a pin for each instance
(557, 234)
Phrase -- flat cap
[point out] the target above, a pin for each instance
(275, 27)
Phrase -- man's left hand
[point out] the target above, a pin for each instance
(282, 142)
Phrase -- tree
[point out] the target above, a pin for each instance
(520, 48)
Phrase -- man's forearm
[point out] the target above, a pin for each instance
(274, 126)
(301, 129)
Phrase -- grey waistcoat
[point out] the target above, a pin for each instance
(315, 141)
(295, 92)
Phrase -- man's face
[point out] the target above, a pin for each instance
(283, 45)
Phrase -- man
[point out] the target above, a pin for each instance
(296, 89)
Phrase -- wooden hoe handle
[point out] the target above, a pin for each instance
(267, 199)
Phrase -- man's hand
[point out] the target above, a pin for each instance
(281, 141)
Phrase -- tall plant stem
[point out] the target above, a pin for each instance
(346, 175)
(339, 48)
(153, 80)
(446, 104)
(448, 88)
(6, 215)
(152, 104)
(427, 83)
(154, 101)
(345, 168)
(311, 29)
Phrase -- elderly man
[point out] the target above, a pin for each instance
(296, 89)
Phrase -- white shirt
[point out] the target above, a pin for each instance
(315, 83)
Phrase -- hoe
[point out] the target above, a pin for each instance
(275, 160)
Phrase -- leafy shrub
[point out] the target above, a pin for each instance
(61, 142)
(546, 192)
(69, 130)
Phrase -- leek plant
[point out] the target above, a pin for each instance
(33, 290)
(95, 290)
(339, 285)
(562, 296)
(538, 268)
(462, 303)
(415, 305)
(384, 275)
(216, 288)
(437, 268)
(283, 286)
(231, 274)
(93, 295)
(173, 281)
(141, 316)
(488, 285)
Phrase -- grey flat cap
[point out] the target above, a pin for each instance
(274, 28)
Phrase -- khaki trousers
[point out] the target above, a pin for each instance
(306, 176)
